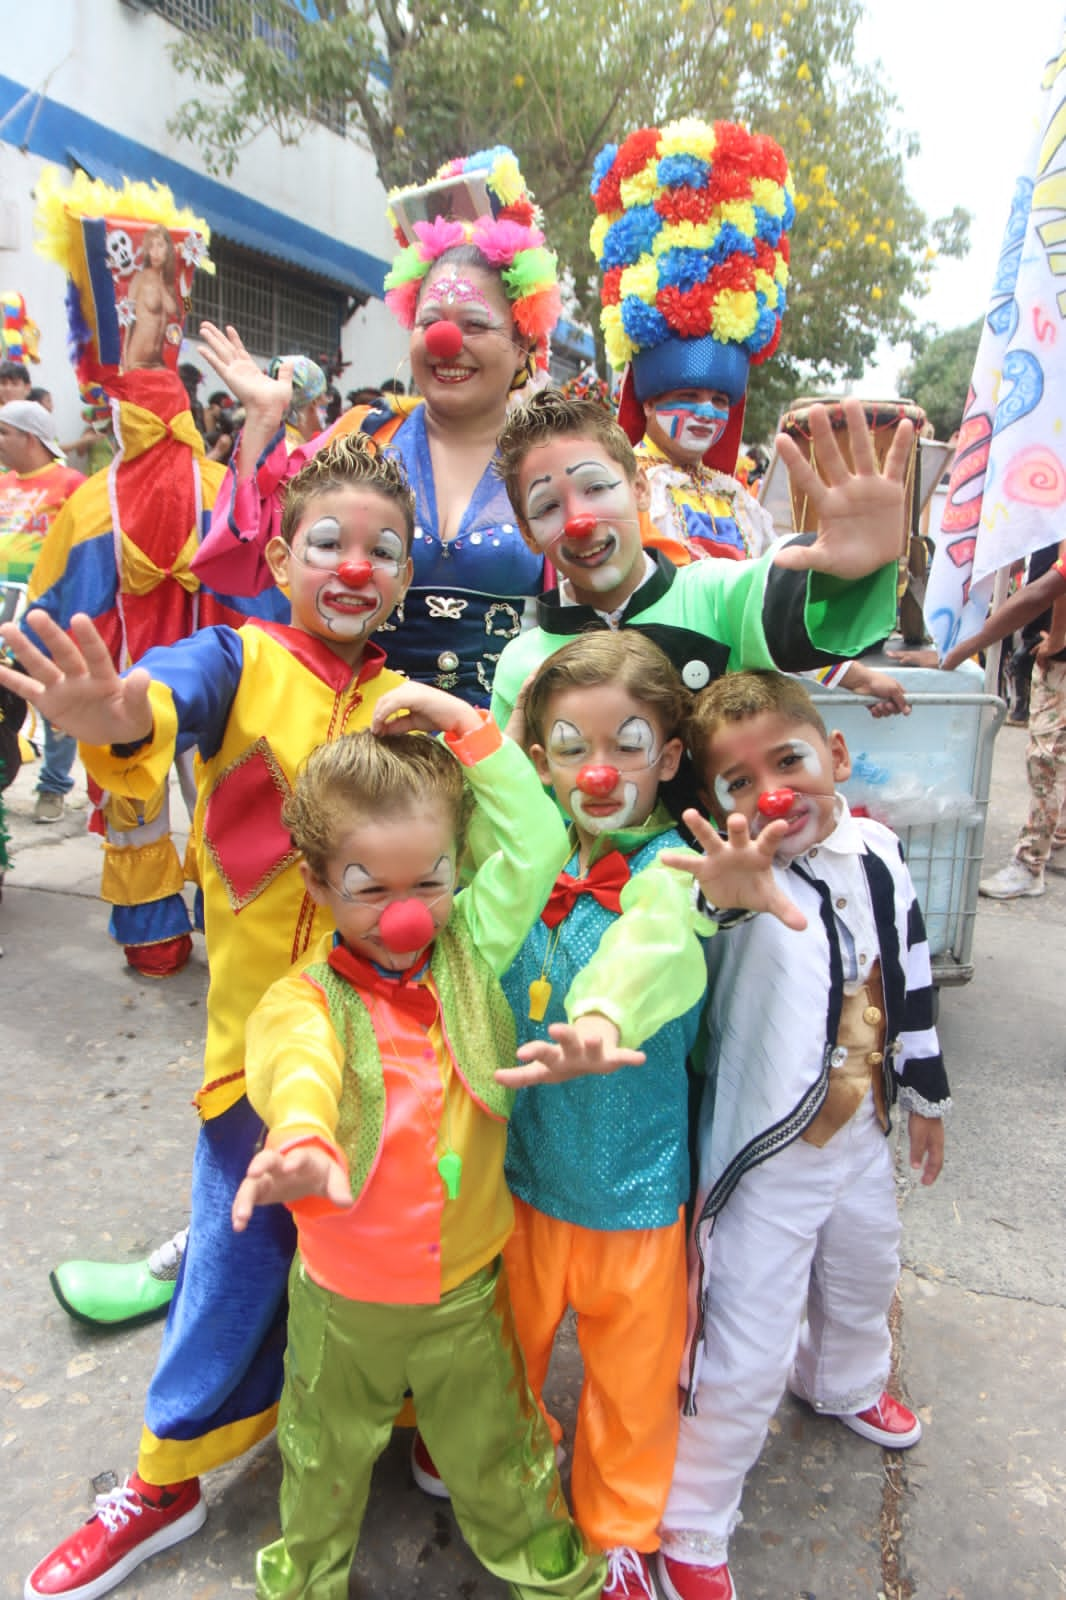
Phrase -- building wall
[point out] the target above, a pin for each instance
(108, 60)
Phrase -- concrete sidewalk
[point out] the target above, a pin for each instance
(97, 1067)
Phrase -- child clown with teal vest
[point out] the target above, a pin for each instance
(383, 1072)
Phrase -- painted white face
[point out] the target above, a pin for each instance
(463, 351)
(766, 754)
(408, 861)
(580, 510)
(605, 757)
(347, 567)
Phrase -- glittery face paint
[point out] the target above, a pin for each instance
(463, 351)
(451, 292)
(763, 754)
(692, 424)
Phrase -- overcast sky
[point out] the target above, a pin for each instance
(968, 81)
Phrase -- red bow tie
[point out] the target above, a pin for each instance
(604, 881)
(418, 999)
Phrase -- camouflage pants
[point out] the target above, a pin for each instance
(1045, 761)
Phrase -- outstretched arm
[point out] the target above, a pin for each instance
(1014, 613)
(276, 1177)
(860, 509)
(736, 873)
(76, 686)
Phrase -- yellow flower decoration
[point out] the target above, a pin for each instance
(877, 293)
(685, 235)
(869, 238)
(505, 180)
(803, 72)
(769, 195)
(757, 30)
(818, 173)
(598, 232)
(640, 189)
(742, 214)
(734, 315)
(765, 284)
(687, 136)
(801, 202)
(803, 124)
(885, 248)
(641, 279)
(617, 343)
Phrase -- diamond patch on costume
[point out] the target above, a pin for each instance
(243, 830)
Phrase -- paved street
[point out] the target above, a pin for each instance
(97, 1067)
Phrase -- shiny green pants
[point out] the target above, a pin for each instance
(347, 1367)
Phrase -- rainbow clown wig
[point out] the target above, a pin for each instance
(481, 201)
(691, 236)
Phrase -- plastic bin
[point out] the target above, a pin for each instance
(927, 777)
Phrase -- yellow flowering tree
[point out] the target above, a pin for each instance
(559, 79)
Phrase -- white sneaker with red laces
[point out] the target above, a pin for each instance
(888, 1422)
(628, 1576)
(680, 1581)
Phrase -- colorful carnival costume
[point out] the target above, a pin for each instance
(599, 1168)
(805, 1068)
(252, 704)
(691, 236)
(406, 1288)
(121, 551)
(714, 617)
(473, 593)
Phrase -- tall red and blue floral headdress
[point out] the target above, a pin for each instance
(480, 200)
(691, 236)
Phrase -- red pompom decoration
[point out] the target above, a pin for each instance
(404, 926)
(635, 152)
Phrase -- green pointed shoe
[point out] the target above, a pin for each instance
(107, 1294)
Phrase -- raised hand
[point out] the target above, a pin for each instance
(255, 389)
(76, 687)
(736, 873)
(273, 1178)
(860, 509)
(420, 708)
(587, 1047)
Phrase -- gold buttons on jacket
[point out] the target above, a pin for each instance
(875, 1058)
(872, 1015)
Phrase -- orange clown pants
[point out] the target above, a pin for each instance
(628, 1290)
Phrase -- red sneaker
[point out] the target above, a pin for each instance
(130, 1524)
(628, 1576)
(888, 1422)
(424, 1471)
(679, 1581)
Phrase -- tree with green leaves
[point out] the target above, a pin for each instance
(558, 79)
(939, 377)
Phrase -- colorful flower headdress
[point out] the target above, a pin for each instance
(692, 239)
(97, 235)
(483, 201)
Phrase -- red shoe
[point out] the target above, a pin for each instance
(679, 1581)
(130, 1524)
(888, 1422)
(425, 1472)
(628, 1576)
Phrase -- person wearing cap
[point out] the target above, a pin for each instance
(305, 417)
(36, 484)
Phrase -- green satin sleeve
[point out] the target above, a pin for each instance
(649, 967)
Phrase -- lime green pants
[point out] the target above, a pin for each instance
(347, 1367)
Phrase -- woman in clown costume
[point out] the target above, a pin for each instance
(476, 286)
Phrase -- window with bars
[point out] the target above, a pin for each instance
(196, 15)
(275, 311)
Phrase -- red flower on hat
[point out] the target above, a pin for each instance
(611, 292)
(738, 272)
(784, 248)
(635, 152)
(765, 257)
(769, 158)
(521, 211)
(688, 311)
(608, 196)
(728, 181)
(685, 205)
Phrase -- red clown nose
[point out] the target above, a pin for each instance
(777, 803)
(598, 782)
(405, 925)
(444, 340)
(353, 574)
(581, 527)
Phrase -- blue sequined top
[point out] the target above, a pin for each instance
(469, 596)
(609, 1152)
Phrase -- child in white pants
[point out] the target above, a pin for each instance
(812, 1037)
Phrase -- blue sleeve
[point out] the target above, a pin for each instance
(203, 674)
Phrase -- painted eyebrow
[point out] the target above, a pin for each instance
(579, 464)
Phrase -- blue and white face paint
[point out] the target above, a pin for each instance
(692, 425)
